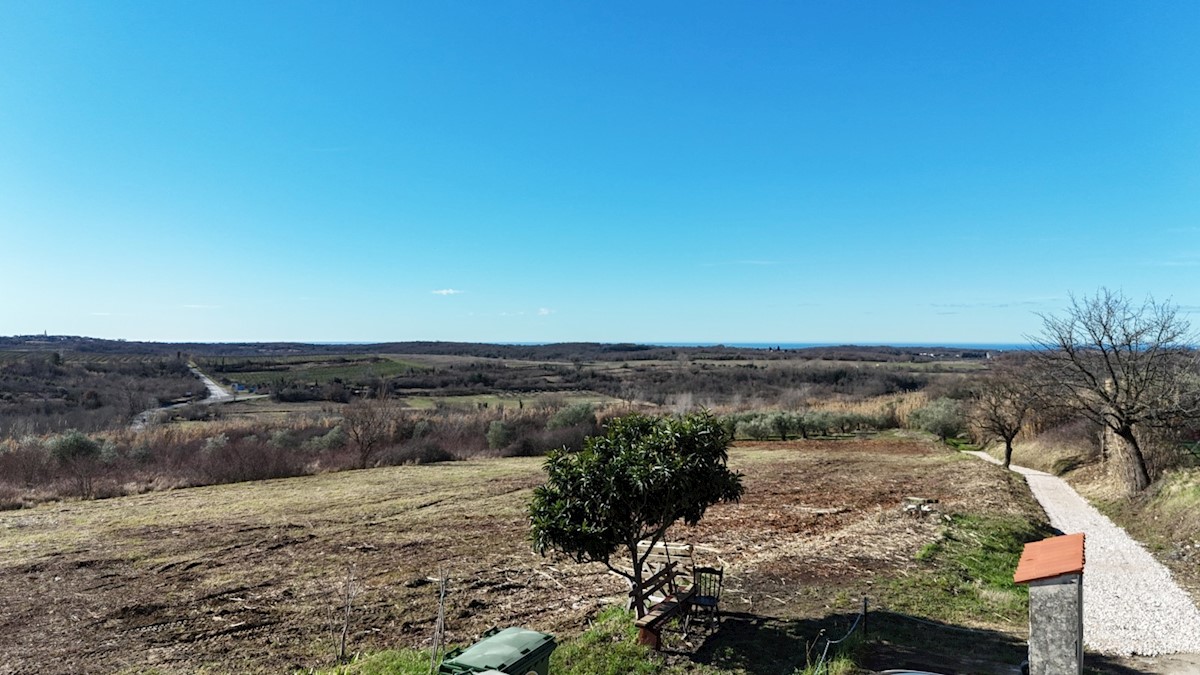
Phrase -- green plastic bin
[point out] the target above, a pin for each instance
(515, 651)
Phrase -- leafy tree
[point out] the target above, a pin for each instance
(782, 422)
(629, 485)
(1128, 367)
(818, 423)
(943, 417)
(756, 427)
(1003, 401)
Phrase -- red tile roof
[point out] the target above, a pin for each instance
(1050, 558)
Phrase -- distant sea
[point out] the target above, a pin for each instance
(972, 346)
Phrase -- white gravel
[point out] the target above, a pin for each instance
(1131, 605)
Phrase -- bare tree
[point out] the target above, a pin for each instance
(1004, 400)
(368, 423)
(1128, 367)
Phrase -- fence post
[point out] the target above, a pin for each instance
(864, 617)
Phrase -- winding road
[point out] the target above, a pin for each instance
(1131, 605)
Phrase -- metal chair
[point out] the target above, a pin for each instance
(707, 598)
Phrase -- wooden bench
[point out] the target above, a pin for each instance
(675, 603)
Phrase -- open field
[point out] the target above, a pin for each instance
(509, 401)
(264, 407)
(319, 369)
(247, 577)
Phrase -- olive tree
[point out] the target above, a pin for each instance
(943, 417)
(1129, 367)
(630, 485)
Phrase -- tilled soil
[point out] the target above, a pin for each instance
(253, 577)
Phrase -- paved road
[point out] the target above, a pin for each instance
(1131, 605)
(216, 394)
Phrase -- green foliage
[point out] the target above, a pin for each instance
(74, 446)
(607, 648)
(630, 484)
(782, 423)
(839, 664)
(217, 442)
(573, 416)
(942, 417)
(499, 435)
(79, 455)
(284, 438)
(968, 572)
(390, 662)
(333, 439)
(757, 428)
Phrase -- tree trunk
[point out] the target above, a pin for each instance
(1138, 475)
(635, 587)
(1008, 449)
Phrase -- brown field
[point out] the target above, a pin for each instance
(249, 577)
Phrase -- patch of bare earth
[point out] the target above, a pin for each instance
(250, 577)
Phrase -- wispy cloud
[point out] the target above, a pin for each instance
(754, 263)
(995, 304)
(448, 291)
(1177, 261)
(545, 311)
(201, 306)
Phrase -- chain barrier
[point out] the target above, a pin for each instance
(860, 620)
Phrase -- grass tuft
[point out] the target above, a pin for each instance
(966, 576)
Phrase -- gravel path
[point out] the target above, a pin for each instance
(1130, 603)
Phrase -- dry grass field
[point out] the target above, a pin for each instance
(249, 577)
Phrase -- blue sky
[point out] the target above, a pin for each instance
(520, 171)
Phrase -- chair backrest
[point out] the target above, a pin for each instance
(708, 582)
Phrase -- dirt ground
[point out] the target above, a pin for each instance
(251, 577)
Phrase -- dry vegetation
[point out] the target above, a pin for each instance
(246, 577)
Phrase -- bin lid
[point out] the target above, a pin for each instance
(503, 649)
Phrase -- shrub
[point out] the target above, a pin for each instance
(758, 428)
(334, 439)
(942, 417)
(418, 452)
(575, 415)
(235, 462)
(79, 455)
(214, 443)
(284, 438)
(499, 435)
(73, 446)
